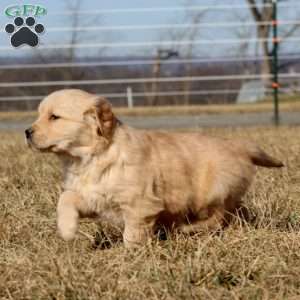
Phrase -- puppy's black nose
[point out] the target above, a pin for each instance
(29, 132)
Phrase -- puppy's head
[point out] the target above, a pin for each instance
(72, 122)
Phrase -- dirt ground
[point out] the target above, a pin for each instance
(258, 259)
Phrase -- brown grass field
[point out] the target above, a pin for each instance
(258, 259)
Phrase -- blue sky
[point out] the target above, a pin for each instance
(53, 20)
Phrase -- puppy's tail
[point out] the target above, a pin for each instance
(261, 158)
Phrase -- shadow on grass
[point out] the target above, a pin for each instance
(108, 237)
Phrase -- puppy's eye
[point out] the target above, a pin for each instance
(53, 117)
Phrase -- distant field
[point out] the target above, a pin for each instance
(257, 260)
(287, 106)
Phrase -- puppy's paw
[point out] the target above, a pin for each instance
(67, 228)
(131, 244)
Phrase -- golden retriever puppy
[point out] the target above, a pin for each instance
(186, 181)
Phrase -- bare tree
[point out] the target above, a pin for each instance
(262, 12)
(153, 87)
(68, 54)
(188, 51)
(190, 34)
(75, 35)
(243, 33)
(76, 21)
(244, 49)
(74, 6)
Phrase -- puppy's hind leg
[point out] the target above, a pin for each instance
(214, 221)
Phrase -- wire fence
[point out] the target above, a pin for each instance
(142, 80)
(222, 7)
(142, 62)
(170, 71)
(168, 26)
(157, 44)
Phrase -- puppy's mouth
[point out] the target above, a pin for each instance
(46, 149)
(34, 146)
(51, 148)
(30, 144)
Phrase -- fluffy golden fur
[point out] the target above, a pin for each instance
(184, 181)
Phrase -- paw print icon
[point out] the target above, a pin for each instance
(24, 33)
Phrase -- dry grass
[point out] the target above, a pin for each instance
(259, 260)
(289, 106)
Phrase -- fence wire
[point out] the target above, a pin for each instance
(151, 75)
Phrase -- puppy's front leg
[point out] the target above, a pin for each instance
(68, 214)
(137, 230)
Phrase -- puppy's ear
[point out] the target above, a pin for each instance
(105, 119)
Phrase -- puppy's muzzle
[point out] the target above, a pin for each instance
(28, 133)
